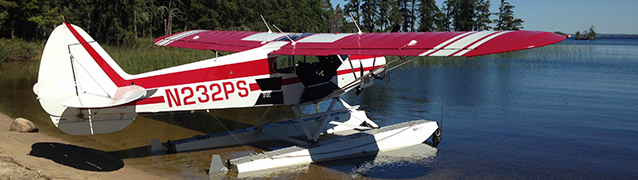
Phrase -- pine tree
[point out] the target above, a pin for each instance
(506, 20)
(467, 15)
(353, 7)
(430, 16)
(482, 18)
(591, 35)
(369, 11)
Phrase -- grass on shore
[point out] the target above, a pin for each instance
(144, 56)
(18, 50)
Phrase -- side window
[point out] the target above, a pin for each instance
(284, 64)
(288, 63)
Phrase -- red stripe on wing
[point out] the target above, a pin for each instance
(516, 40)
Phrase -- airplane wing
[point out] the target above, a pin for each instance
(392, 44)
(233, 41)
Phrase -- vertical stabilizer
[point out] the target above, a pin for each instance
(80, 86)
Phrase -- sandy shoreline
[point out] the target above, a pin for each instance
(38, 156)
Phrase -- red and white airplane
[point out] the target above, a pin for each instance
(86, 92)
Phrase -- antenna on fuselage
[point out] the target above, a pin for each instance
(356, 24)
(262, 18)
(293, 41)
(269, 31)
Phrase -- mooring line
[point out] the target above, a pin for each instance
(442, 98)
(220, 123)
(277, 138)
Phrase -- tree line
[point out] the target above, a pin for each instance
(589, 34)
(123, 21)
(425, 15)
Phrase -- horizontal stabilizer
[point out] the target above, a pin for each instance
(121, 96)
(94, 121)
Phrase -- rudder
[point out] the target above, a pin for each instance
(81, 87)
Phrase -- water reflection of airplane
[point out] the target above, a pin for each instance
(86, 92)
(408, 162)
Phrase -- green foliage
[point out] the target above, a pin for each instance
(122, 22)
(506, 20)
(482, 18)
(20, 51)
(589, 34)
(463, 14)
(592, 32)
(407, 11)
(13, 50)
(467, 15)
(144, 56)
(431, 18)
(139, 57)
(338, 23)
(396, 15)
(4, 11)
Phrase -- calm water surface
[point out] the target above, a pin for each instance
(565, 111)
(546, 115)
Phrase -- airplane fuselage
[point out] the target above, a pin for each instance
(244, 79)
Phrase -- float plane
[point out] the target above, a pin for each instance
(85, 91)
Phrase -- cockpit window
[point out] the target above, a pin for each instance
(284, 64)
(287, 63)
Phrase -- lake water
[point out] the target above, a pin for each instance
(565, 111)
(541, 114)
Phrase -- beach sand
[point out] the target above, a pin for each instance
(38, 156)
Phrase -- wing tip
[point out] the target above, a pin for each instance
(528, 40)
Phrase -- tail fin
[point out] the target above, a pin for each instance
(79, 85)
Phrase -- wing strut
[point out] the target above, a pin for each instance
(324, 120)
(303, 125)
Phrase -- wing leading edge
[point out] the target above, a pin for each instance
(393, 44)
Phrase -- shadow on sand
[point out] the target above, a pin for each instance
(76, 156)
(409, 162)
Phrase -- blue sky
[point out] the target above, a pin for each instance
(569, 16)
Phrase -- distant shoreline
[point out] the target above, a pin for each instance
(613, 35)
